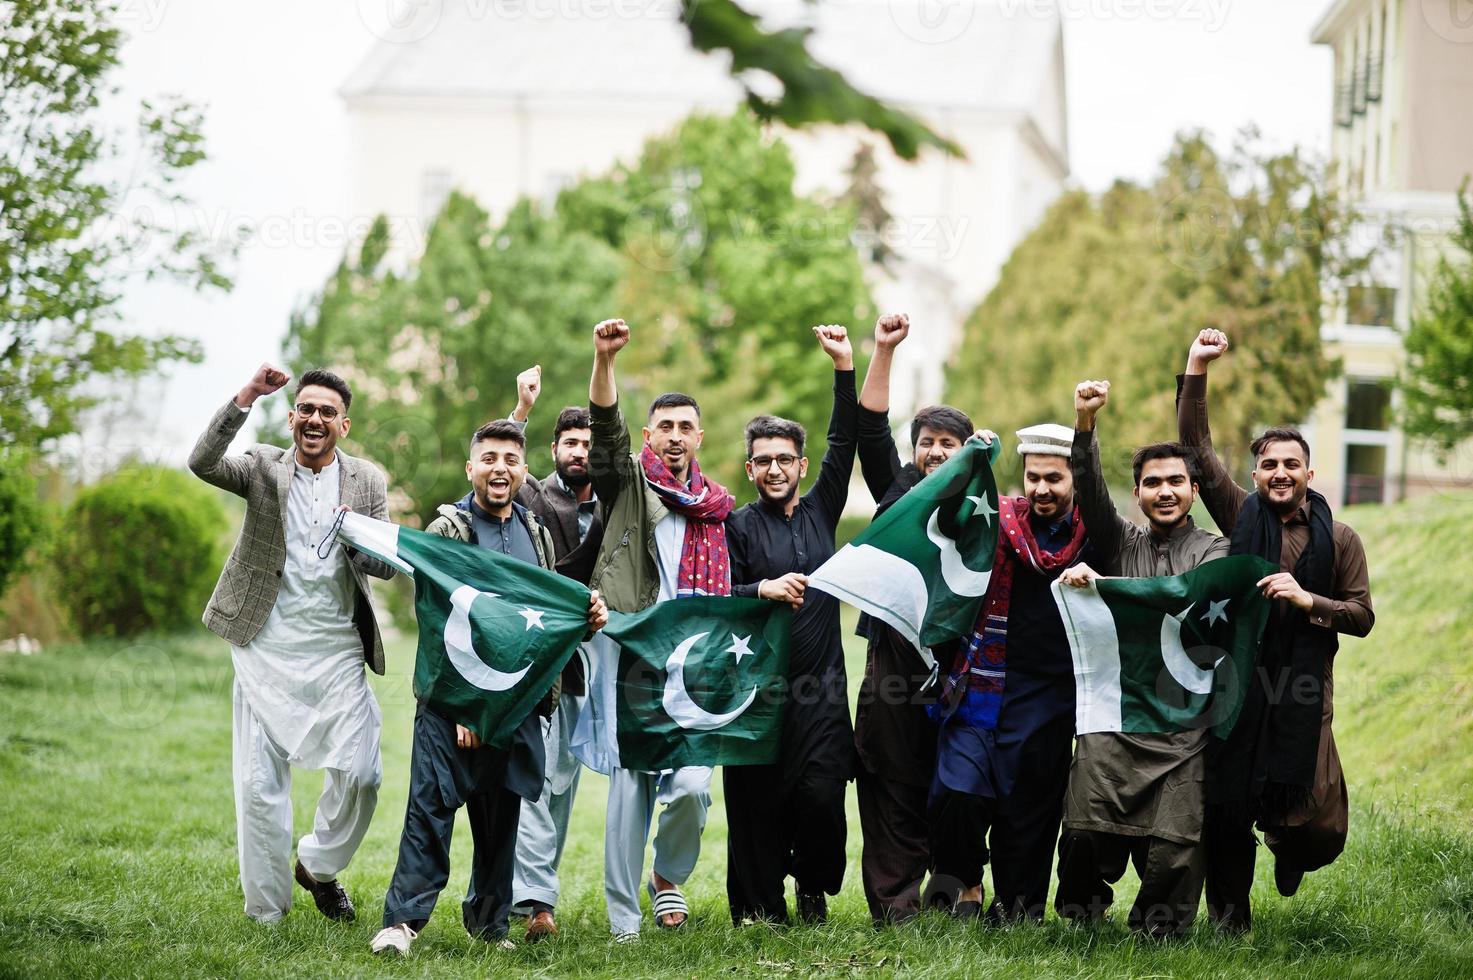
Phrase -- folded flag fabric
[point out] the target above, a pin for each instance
(701, 682)
(1168, 654)
(494, 632)
(924, 565)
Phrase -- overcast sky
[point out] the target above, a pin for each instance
(267, 72)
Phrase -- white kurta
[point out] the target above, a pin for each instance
(303, 675)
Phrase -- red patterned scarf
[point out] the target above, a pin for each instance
(974, 688)
(705, 565)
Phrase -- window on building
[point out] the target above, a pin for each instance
(1368, 405)
(1370, 306)
(1365, 474)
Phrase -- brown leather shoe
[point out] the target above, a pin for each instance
(331, 900)
(541, 926)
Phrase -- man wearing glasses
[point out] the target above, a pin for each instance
(788, 817)
(300, 628)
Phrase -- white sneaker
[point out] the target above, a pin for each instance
(393, 939)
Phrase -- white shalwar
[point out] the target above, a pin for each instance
(684, 795)
(301, 699)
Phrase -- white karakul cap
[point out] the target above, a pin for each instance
(1046, 439)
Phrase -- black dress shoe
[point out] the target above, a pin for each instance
(331, 900)
(813, 910)
(1287, 878)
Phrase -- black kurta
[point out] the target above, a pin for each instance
(788, 818)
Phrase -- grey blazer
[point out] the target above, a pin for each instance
(246, 592)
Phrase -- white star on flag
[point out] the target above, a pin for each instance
(983, 508)
(740, 648)
(1216, 611)
(533, 617)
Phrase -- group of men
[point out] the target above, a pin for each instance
(973, 763)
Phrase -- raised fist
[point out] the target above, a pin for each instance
(610, 336)
(1090, 396)
(267, 379)
(1208, 347)
(834, 339)
(891, 329)
(529, 386)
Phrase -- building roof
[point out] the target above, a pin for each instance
(975, 57)
(1334, 20)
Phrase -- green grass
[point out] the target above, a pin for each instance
(117, 843)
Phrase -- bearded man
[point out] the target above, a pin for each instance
(1135, 797)
(1279, 767)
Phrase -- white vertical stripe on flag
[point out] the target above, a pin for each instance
(886, 586)
(1095, 647)
(379, 539)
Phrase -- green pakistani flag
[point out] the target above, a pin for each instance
(494, 631)
(923, 566)
(702, 681)
(1169, 654)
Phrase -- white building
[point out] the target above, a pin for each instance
(1402, 144)
(506, 98)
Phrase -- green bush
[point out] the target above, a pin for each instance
(20, 516)
(138, 551)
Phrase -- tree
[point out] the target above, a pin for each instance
(434, 353)
(1437, 380)
(76, 220)
(811, 91)
(1115, 286)
(726, 269)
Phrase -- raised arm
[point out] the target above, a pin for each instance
(1223, 497)
(609, 465)
(879, 461)
(208, 460)
(1107, 530)
(831, 488)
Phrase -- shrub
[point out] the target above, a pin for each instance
(138, 551)
(20, 516)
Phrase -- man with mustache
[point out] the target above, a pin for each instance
(1007, 705)
(301, 629)
(788, 817)
(1135, 797)
(1279, 766)
(664, 538)
(567, 506)
(894, 738)
(450, 767)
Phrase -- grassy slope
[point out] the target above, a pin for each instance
(117, 838)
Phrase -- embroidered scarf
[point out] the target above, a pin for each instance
(705, 564)
(982, 660)
(1266, 766)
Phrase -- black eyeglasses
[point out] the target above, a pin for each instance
(326, 412)
(783, 460)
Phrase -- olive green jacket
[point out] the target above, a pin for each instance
(627, 571)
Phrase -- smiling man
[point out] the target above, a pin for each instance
(301, 629)
(664, 538)
(1135, 797)
(787, 818)
(450, 767)
(1007, 705)
(1279, 766)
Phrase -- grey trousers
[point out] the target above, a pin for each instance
(544, 826)
(684, 795)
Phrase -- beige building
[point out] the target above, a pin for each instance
(1402, 143)
(516, 98)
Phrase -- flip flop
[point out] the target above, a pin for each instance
(670, 902)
